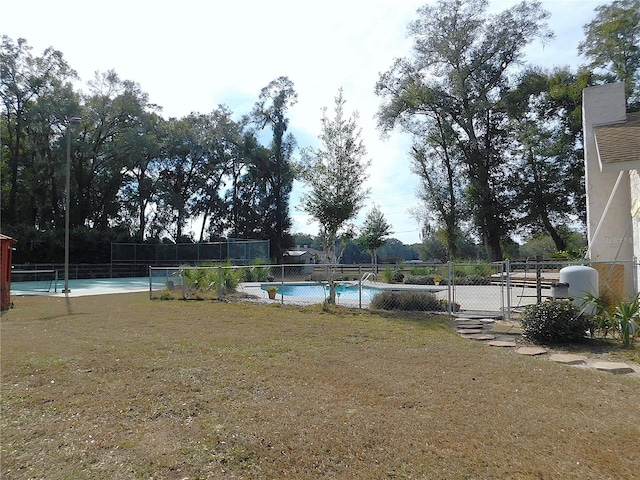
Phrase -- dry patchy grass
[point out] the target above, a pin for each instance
(119, 387)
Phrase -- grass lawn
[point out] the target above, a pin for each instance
(119, 387)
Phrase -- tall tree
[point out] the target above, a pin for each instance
(374, 233)
(33, 120)
(271, 110)
(183, 172)
(141, 150)
(547, 179)
(439, 164)
(335, 175)
(112, 109)
(246, 197)
(612, 44)
(460, 68)
(222, 139)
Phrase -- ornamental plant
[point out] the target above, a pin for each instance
(555, 321)
(619, 318)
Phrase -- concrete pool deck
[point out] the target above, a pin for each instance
(472, 298)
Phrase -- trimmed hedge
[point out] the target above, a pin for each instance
(409, 301)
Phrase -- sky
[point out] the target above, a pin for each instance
(193, 55)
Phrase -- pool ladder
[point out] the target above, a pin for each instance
(367, 276)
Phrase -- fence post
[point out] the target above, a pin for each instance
(450, 299)
(360, 286)
(182, 283)
(538, 279)
(219, 282)
(282, 285)
(507, 267)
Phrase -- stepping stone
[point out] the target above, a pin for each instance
(531, 351)
(469, 325)
(482, 336)
(487, 320)
(502, 328)
(515, 331)
(500, 343)
(568, 359)
(613, 367)
(469, 331)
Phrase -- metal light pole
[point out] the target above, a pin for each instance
(71, 121)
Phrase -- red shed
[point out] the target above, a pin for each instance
(6, 247)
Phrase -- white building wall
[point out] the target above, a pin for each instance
(613, 242)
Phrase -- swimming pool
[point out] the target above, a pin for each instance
(80, 287)
(344, 291)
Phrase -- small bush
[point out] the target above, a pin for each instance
(421, 271)
(398, 277)
(556, 321)
(620, 318)
(473, 280)
(408, 301)
(392, 276)
(419, 280)
(254, 274)
(200, 280)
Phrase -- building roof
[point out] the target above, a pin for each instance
(296, 253)
(6, 237)
(618, 144)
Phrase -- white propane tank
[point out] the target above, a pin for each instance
(581, 280)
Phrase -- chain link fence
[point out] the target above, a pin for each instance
(495, 289)
(238, 252)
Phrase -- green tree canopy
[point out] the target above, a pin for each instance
(335, 175)
(373, 232)
(456, 77)
(612, 44)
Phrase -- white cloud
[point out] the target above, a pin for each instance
(193, 55)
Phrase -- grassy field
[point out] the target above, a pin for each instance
(119, 387)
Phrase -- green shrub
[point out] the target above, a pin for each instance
(625, 318)
(392, 275)
(421, 271)
(620, 318)
(419, 280)
(473, 280)
(256, 273)
(555, 321)
(408, 301)
(201, 280)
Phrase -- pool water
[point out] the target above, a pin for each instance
(94, 286)
(321, 291)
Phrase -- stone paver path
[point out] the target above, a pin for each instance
(613, 367)
(568, 359)
(531, 351)
(501, 334)
(502, 343)
(468, 331)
